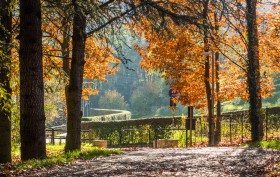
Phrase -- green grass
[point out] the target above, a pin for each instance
(273, 144)
(56, 156)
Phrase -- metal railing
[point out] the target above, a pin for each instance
(235, 128)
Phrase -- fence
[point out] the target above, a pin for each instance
(58, 136)
(235, 129)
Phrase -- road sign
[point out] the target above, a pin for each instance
(173, 94)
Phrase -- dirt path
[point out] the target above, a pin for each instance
(194, 162)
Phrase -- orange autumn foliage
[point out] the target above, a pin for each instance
(178, 56)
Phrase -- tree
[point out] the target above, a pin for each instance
(253, 75)
(112, 100)
(5, 88)
(32, 116)
(145, 97)
(73, 139)
(253, 60)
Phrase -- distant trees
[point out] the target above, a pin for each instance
(32, 116)
(5, 76)
(112, 100)
(145, 98)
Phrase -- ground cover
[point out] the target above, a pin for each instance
(55, 155)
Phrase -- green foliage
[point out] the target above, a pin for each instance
(111, 130)
(15, 123)
(112, 100)
(165, 111)
(145, 98)
(6, 104)
(273, 144)
(53, 100)
(234, 105)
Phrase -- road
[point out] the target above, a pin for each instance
(193, 162)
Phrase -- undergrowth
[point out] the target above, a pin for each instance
(273, 144)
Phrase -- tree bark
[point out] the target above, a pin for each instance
(217, 66)
(218, 120)
(73, 139)
(5, 70)
(253, 76)
(66, 51)
(207, 77)
(32, 116)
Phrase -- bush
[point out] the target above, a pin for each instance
(112, 100)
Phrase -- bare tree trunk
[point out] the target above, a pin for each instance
(218, 121)
(5, 71)
(217, 65)
(66, 52)
(253, 77)
(207, 77)
(32, 116)
(73, 139)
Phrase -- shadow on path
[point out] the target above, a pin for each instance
(194, 162)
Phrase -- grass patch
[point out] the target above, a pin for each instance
(273, 144)
(55, 156)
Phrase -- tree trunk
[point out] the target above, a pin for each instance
(65, 51)
(32, 116)
(73, 139)
(218, 120)
(5, 70)
(217, 65)
(207, 77)
(253, 69)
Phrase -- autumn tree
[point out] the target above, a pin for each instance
(5, 74)
(81, 10)
(253, 61)
(32, 117)
(202, 33)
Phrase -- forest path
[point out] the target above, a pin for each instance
(194, 162)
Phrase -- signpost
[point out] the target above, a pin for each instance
(172, 104)
(190, 116)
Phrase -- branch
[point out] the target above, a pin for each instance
(176, 17)
(112, 20)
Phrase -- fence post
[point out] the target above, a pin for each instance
(52, 138)
(230, 133)
(120, 133)
(201, 129)
(156, 137)
(186, 132)
(242, 126)
(90, 135)
(266, 122)
(190, 116)
(149, 134)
